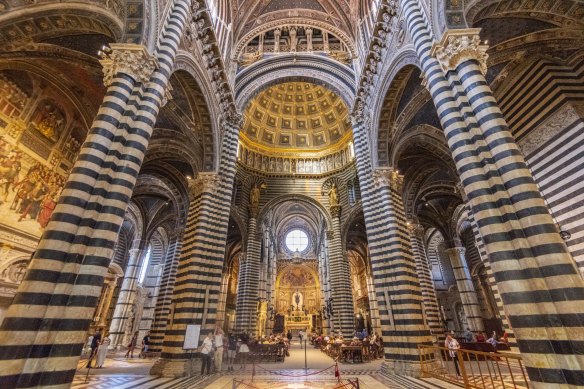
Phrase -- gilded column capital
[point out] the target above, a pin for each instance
(458, 46)
(416, 229)
(128, 58)
(204, 182)
(386, 176)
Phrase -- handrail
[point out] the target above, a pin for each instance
(473, 369)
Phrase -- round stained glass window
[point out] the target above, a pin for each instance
(296, 240)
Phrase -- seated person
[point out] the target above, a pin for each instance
(468, 335)
(355, 342)
(493, 341)
(481, 337)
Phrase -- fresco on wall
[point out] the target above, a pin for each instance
(39, 142)
(48, 121)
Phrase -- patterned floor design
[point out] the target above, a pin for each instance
(367, 380)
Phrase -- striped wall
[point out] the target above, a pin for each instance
(544, 107)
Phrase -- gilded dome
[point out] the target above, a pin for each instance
(296, 116)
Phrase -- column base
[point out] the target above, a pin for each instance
(176, 368)
(410, 369)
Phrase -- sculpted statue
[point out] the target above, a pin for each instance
(333, 195)
(254, 196)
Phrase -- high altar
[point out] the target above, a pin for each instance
(298, 297)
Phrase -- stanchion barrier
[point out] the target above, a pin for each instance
(300, 375)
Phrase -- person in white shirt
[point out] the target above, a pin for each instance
(218, 348)
(206, 349)
(452, 345)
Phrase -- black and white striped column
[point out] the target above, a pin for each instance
(466, 289)
(399, 297)
(44, 330)
(198, 279)
(541, 290)
(163, 302)
(123, 308)
(249, 282)
(431, 307)
(492, 283)
(340, 278)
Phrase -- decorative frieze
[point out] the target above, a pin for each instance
(384, 27)
(458, 46)
(128, 58)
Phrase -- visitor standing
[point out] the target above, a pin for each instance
(289, 336)
(145, 344)
(301, 337)
(243, 352)
(206, 349)
(132, 345)
(453, 345)
(218, 348)
(231, 351)
(94, 345)
(102, 351)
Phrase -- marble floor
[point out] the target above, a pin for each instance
(122, 373)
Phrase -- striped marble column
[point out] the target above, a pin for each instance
(44, 329)
(399, 296)
(431, 307)
(198, 280)
(324, 290)
(492, 283)
(539, 285)
(249, 282)
(340, 279)
(163, 302)
(535, 273)
(468, 294)
(152, 288)
(123, 308)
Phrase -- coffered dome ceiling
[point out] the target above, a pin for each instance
(296, 116)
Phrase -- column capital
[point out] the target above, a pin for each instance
(128, 58)
(458, 46)
(335, 210)
(233, 119)
(204, 182)
(458, 250)
(387, 176)
(416, 229)
(360, 115)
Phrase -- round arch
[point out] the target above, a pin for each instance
(295, 197)
(289, 67)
